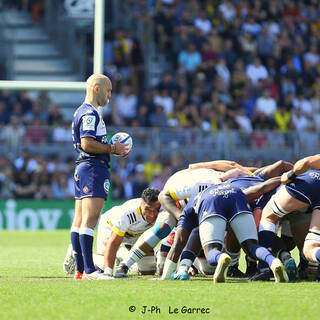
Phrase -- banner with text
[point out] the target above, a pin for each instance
(39, 214)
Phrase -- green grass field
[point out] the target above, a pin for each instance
(33, 286)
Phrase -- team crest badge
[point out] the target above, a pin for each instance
(85, 189)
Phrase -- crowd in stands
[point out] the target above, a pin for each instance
(36, 176)
(246, 65)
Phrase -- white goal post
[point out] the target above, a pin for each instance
(69, 85)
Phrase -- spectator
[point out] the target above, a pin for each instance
(266, 104)
(189, 59)
(127, 104)
(203, 23)
(256, 71)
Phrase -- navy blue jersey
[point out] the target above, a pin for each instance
(87, 122)
(223, 200)
(261, 202)
(246, 181)
(305, 187)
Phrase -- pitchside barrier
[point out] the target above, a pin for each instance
(28, 214)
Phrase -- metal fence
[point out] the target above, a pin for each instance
(193, 144)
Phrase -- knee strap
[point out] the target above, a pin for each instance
(277, 209)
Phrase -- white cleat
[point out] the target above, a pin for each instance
(96, 275)
(279, 272)
(222, 268)
(69, 263)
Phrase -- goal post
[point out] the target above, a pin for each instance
(69, 85)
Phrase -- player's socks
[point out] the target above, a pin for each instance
(316, 254)
(77, 249)
(213, 257)
(86, 242)
(303, 267)
(263, 255)
(168, 269)
(136, 254)
(187, 259)
(267, 234)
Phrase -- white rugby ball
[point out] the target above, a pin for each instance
(124, 138)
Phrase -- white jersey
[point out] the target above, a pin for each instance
(185, 183)
(125, 220)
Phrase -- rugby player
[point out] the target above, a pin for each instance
(300, 190)
(119, 228)
(232, 246)
(211, 210)
(91, 174)
(181, 185)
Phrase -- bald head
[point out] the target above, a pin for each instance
(98, 79)
(98, 87)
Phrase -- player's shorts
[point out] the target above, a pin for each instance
(188, 220)
(306, 188)
(212, 230)
(226, 205)
(91, 180)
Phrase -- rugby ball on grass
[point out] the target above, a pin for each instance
(124, 138)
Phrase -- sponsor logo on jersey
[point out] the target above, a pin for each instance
(106, 186)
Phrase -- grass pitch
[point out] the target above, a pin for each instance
(33, 286)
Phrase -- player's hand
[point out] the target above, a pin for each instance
(124, 156)
(284, 178)
(121, 149)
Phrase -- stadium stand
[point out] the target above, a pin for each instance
(228, 78)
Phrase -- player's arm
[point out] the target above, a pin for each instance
(169, 203)
(110, 252)
(220, 165)
(234, 173)
(90, 145)
(258, 190)
(301, 166)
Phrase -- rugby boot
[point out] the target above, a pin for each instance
(184, 275)
(121, 271)
(96, 275)
(234, 272)
(69, 263)
(291, 269)
(77, 275)
(279, 272)
(222, 268)
(261, 275)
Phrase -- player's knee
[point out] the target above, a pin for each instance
(307, 248)
(311, 243)
(276, 209)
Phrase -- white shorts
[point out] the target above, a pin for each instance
(212, 230)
